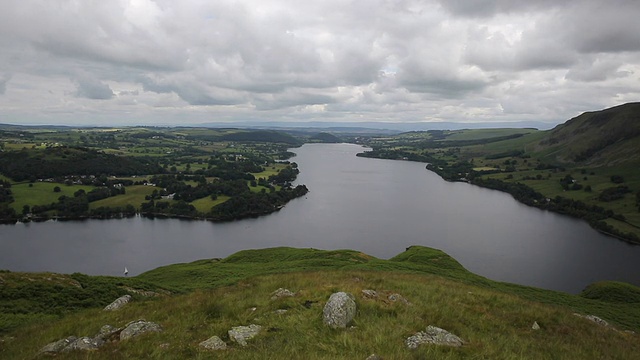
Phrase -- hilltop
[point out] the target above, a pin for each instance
(395, 299)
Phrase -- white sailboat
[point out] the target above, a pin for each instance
(126, 272)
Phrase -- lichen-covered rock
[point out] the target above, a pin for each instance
(369, 294)
(281, 292)
(433, 335)
(241, 334)
(58, 346)
(398, 298)
(535, 326)
(339, 310)
(214, 343)
(139, 327)
(85, 343)
(108, 332)
(118, 303)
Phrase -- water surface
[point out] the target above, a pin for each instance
(376, 206)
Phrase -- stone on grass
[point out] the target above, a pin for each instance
(369, 294)
(139, 327)
(339, 310)
(398, 298)
(118, 303)
(85, 343)
(535, 326)
(433, 335)
(58, 346)
(241, 334)
(281, 292)
(594, 318)
(374, 357)
(214, 343)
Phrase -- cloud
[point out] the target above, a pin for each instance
(91, 88)
(4, 79)
(392, 60)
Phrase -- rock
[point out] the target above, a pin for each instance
(118, 303)
(241, 334)
(369, 294)
(535, 326)
(84, 343)
(339, 310)
(214, 343)
(280, 293)
(58, 346)
(433, 335)
(593, 318)
(374, 357)
(398, 298)
(139, 327)
(107, 332)
(281, 311)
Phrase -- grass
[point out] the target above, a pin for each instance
(41, 193)
(134, 195)
(205, 204)
(494, 319)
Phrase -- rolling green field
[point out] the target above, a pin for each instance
(135, 195)
(41, 193)
(205, 204)
(209, 297)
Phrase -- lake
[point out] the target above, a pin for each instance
(379, 207)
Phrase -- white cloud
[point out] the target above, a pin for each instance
(162, 61)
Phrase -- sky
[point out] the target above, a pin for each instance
(166, 62)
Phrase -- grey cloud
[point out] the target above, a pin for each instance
(488, 8)
(91, 88)
(4, 79)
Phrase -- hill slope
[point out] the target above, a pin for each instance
(600, 138)
(494, 319)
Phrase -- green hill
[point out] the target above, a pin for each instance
(608, 137)
(209, 297)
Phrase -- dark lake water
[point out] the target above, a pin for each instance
(379, 207)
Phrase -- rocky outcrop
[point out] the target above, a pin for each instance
(339, 310)
(137, 328)
(433, 335)
(58, 346)
(281, 292)
(118, 303)
(240, 334)
(85, 343)
(213, 343)
(107, 333)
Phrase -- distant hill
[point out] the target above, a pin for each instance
(599, 138)
(325, 137)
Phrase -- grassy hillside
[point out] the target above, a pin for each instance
(600, 138)
(211, 296)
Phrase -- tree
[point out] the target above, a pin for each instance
(57, 189)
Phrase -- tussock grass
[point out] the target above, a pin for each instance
(494, 319)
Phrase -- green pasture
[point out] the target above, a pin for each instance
(477, 134)
(41, 193)
(134, 195)
(205, 204)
